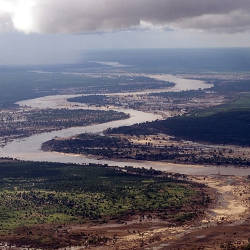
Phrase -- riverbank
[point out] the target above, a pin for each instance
(226, 222)
(30, 148)
(51, 205)
(153, 148)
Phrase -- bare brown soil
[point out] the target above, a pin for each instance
(224, 224)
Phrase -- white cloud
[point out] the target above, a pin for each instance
(18, 15)
(73, 16)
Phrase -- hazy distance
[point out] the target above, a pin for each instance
(53, 31)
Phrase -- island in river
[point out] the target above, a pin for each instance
(132, 208)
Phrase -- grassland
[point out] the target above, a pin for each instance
(41, 194)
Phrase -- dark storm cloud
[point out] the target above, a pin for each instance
(73, 16)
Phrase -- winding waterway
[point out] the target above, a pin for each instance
(30, 148)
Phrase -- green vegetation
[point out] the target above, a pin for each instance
(116, 147)
(90, 144)
(225, 124)
(231, 87)
(44, 193)
(238, 102)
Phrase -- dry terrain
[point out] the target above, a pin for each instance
(225, 224)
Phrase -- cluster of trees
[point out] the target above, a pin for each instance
(100, 100)
(33, 193)
(189, 94)
(230, 127)
(233, 86)
(30, 122)
(116, 147)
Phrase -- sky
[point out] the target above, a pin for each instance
(56, 31)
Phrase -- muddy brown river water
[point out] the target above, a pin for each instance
(30, 148)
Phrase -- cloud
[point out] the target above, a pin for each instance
(77, 16)
(236, 21)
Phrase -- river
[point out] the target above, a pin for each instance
(30, 148)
